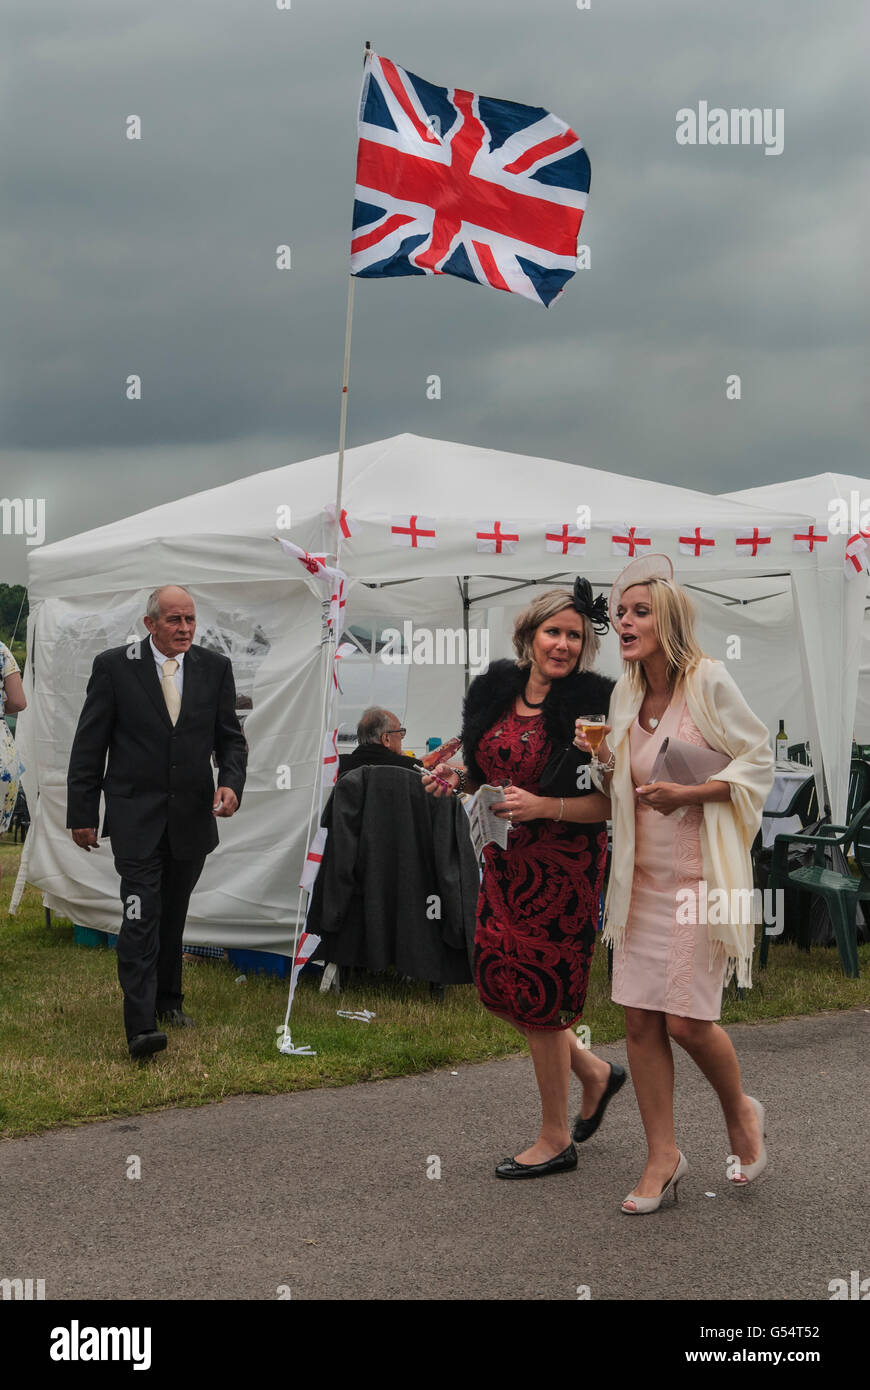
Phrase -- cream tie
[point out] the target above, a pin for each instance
(170, 689)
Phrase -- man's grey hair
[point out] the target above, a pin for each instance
(152, 607)
(373, 724)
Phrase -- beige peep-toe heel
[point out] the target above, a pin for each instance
(642, 1205)
(748, 1172)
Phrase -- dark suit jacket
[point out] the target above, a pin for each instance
(157, 777)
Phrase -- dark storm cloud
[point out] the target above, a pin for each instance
(157, 257)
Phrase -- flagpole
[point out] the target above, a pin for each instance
(315, 810)
(345, 382)
(342, 428)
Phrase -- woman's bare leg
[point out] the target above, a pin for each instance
(711, 1049)
(591, 1072)
(551, 1056)
(652, 1072)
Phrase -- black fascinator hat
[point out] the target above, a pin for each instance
(593, 609)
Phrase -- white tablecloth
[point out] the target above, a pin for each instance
(785, 784)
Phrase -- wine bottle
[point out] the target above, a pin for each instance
(781, 743)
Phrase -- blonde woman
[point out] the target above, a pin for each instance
(668, 840)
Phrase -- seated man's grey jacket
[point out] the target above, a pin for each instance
(399, 880)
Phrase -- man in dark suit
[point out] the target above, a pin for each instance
(159, 709)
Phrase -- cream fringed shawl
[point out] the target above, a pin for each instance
(728, 828)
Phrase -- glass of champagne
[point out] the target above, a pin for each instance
(593, 729)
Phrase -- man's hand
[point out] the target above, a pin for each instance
(226, 802)
(86, 839)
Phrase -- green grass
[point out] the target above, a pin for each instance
(63, 1059)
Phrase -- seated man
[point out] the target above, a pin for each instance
(379, 743)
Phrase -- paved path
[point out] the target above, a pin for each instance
(326, 1192)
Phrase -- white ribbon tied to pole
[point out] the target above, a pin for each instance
(308, 944)
(285, 1044)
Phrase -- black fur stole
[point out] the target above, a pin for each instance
(491, 695)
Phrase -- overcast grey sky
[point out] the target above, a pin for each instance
(157, 256)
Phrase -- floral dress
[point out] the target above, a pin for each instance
(539, 899)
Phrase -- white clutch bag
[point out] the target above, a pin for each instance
(686, 763)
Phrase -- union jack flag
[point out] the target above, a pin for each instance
(452, 183)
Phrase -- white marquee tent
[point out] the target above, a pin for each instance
(262, 608)
(835, 650)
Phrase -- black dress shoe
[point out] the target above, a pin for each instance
(177, 1019)
(145, 1043)
(562, 1163)
(584, 1129)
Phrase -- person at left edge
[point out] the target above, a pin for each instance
(154, 713)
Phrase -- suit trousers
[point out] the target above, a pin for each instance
(155, 893)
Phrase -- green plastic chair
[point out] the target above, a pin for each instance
(841, 892)
(805, 805)
(859, 787)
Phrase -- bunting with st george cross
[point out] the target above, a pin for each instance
(452, 183)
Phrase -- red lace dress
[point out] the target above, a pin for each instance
(539, 898)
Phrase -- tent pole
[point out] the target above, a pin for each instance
(345, 379)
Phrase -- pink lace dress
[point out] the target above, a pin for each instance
(665, 962)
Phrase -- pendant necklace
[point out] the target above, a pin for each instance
(654, 723)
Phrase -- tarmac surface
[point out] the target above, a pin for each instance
(325, 1194)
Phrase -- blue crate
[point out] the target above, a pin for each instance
(90, 936)
(263, 962)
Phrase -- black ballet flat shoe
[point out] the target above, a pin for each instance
(562, 1163)
(584, 1129)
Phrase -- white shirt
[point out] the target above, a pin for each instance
(178, 677)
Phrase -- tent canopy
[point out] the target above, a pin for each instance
(832, 614)
(218, 535)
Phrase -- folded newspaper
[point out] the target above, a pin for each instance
(486, 827)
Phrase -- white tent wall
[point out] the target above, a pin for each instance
(433, 692)
(248, 891)
(862, 709)
(830, 611)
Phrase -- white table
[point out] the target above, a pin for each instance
(785, 783)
